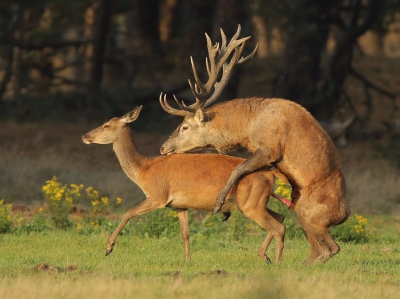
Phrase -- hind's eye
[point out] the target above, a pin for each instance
(106, 126)
(185, 128)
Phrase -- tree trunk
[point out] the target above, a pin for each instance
(330, 86)
(102, 15)
(9, 53)
(307, 35)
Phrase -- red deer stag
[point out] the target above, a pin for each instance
(190, 181)
(279, 133)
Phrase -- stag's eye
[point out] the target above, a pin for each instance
(184, 128)
(106, 126)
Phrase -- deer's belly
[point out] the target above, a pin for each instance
(202, 202)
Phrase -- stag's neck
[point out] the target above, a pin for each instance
(129, 157)
(232, 126)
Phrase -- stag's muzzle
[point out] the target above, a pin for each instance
(166, 149)
(163, 151)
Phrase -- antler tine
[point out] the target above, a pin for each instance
(182, 106)
(235, 36)
(249, 57)
(196, 76)
(208, 67)
(167, 108)
(193, 88)
(223, 38)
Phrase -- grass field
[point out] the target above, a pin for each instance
(65, 264)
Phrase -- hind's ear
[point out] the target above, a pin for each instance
(131, 116)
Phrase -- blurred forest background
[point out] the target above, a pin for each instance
(67, 65)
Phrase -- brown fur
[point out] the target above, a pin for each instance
(190, 181)
(282, 134)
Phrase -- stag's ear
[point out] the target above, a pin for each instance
(199, 116)
(131, 116)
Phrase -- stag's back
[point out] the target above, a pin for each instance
(304, 150)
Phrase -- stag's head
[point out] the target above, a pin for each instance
(109, 132)
(193, 133)
(190, 135)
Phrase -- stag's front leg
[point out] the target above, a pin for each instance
(255, 161)
(142, 208)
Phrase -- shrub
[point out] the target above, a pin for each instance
(156, 224)
(6, 224)
(60, 199)
(39, 222)
(353, 230)
(238, 225)
(100, 204)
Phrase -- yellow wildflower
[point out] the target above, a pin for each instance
(104, 200)
(361, 219)
(282, 189)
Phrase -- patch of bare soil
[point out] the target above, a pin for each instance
(43, 267)
(216, 272)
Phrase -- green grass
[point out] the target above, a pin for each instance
(65, 264)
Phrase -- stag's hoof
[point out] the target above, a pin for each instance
(268, 260)
(216, 210)
(226, 216)
(108, 251)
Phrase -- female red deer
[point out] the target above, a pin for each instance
(278, 132)
(190, 181)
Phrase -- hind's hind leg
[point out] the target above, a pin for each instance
(262, 251)
(271, 221)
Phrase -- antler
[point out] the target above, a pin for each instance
(207, 93)
(164, 104)
(217, 61)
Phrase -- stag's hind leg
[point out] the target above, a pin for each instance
(323, 247)
(315, 219)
